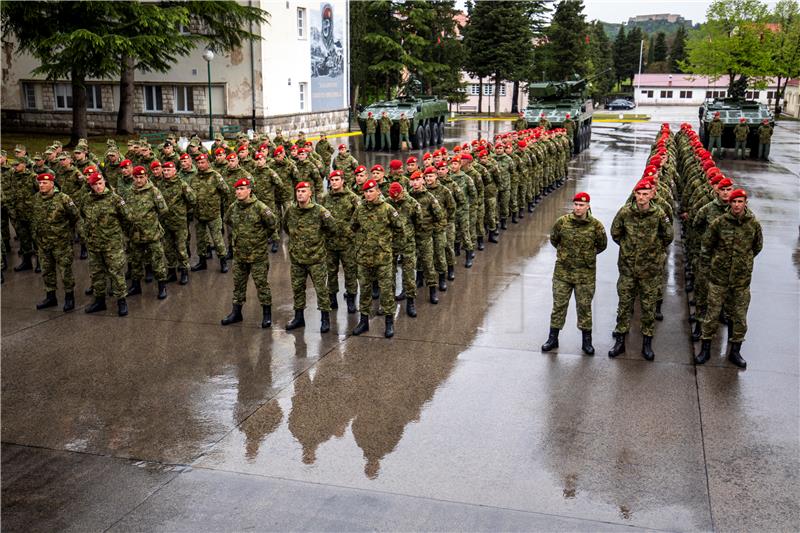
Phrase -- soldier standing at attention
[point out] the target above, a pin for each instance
(24, 186)
(764, 140)
(371, 127)
(732, 241)
(180, 198)
(54, 216)
(405, 247)
(309, 226)
(715, 135)
(376, 224)
(146, 205)
(448, 204)
(341, 202)
(569, 127)
(405, 127)
(347, 164)
(740, 132)
(578, 237)
(251, 223)
(386, 129)
(643, 234)
(106, 220)
(432, 216)
(543, 122)
(520, 124)
(324, 149)
(307, 171)
(210, 190)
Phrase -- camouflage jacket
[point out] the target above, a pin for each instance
(342, 205)
(287, 170)
(405, 126)
(708, 214)
(410, 217)
(24, 187)
(643, 237)
(520, 124)
(732, 243)
(54, 216)
(124, 187)
(145, 206)
(71, 183)
(112, 173)
(308, 171)
(376, 225)
(180, 198)
(458, 192)
(446, 202)
(467, 187)
(106, 220)
(432, 215)
(347, 164)
(741, 131)
(764, 134)
(324, 149)
(715, 128)
(269, 188)
(386, 124)
(505, 165)
(308, 229)
(187, 175)
(252, 223)
(577, 242)
(371, 125)
(231, 176)
(210, 189)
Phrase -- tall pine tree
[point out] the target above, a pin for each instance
(678, 51)
(566, 52)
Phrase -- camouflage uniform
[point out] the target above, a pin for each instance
(700, 224)
(369, 138)
(405, 246)
(325, 150)
(386, 133)
(447, 203)
(764, 140)
(432, 217)
(24, 187)
(251, 223)
(54, 215)
(347, 164)
(715, 135)
(308, 171)
(270, 189)
(577, 241)
(643, 237)
(490, 192)
(459, 219)
(732, 243)
(740, 133)
(146, 205)
(210, 189)
(180, 198)
(106, 220)
(405, 127)
(341, 248)
(520, 124)
(505, 167)
(465, 228)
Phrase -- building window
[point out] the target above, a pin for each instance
(666, 94)
(474, 89)
(685, 94)
(649, 93)
(184, 99)
(488, 89)
(94, 98)
(502, 89)
(753, 95)
(301, 22)
(770, 95)
(302, 96)
(63, 93)
(153, 100)
(29, 90)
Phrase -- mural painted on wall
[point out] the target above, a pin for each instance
(327, 59)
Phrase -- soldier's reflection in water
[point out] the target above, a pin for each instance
(255, 380)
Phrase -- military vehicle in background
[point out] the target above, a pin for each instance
(426, 114)
(730, 111)
(555, 99)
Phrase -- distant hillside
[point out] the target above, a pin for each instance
(648, 26)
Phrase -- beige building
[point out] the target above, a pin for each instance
(473, 90)
(791, 98)
(294, 78)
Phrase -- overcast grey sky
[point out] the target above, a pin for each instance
(621, 10)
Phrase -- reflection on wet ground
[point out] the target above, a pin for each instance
(165, 420)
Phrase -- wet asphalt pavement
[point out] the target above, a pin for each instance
(164, 420)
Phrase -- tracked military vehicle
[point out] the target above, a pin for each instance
(555, 99)
(730, 111)
(426, 115)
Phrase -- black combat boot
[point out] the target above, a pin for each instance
(619, 345)
(469, 259)
(503, 223)
(99, 304)
(659, 314)
(234, 316)
(704, 354)
(208, 252)
(298, 321)
(493, 236)
(201, 265)
(122, 307)
(434, 297)
(69, 301)
(530, 207)
(389, 331)
(521, 213)
(136, 288)
(689, 286)
(514, 218)
(37, 266)
(274, 248)
(351, 303)
(400, 297)
(84, 252)
(481, 246)
(172, 275)
(420, 278)
(552, 340)
(442, 282)
(457, 248)
(229, 255)
(162, 290)
(184, 277)
(49, 301)
(647, 347)
(362, 326)
(266, 316)
(325, 322)
(451, 273)
(698, 331)
(586, 342)
(334, 301)
(148, 274)
(376, 290)
(411, 308)
(223, 265)
(25, 264)
(88, 291)
(735, 356)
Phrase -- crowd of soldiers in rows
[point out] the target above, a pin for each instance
(135, 211)
(720, 237)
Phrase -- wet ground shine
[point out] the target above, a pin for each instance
(164, 420)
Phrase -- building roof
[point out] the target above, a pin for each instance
(683, 80)
(793, 83)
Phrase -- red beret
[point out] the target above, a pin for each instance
(155, 164)
(643, 184)
(581, 197)
(294, 148)
(737, 193)
(725, 182)
(259, 155)
(342, 146)
(278, 149)
(369, 184)
(441, 164)
(483, 153)
(416, 174)
(126, 162)
(708, 163)
(522, 144)
(466, 157)
(139, 171)
(45, 176)
(498, 146)
(201, 157)
(360, 169)
(456, 148)
(711, 170)
(716, 178)
(230, 156)
(650, 170)
(302, 185)
(336, 173)
(655, 160)
(168, 164)
(395, 189)
(183, 157)
(241, 182)
(219, 151)
(426, 155)
(94, 178)
(455, 159)
(410, 160)
(263, 146)
(430, 170)
(376, 167)
(308, 143)
(369, 113)
(395, 164)
(90, 169)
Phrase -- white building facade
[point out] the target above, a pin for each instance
(473, 90)
(791, 98)
(684, 89)
(294, 78)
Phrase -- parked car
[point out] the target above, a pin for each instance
(620, 103)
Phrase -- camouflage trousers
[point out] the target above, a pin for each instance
(175, 249)
(386, 141)
(714, 142)
(529, 194)
(449, 251)
(425, 258)
(212, 228)
(405, 138)
(5, 228)
(148, 253)
(471, 227)
(383, 275)
(463, 233)
(318, 273)
(408, 265)
(347, 259)
(479, 223)
(514, 195)
(108, 265)
(763, 150)
(242, 271)
(562, 292)
(503, 199)
(369, 141)
(439, 239)
(628, 288)
(736, 301)
(490, 211)
(23, 230)
(59, 258)
(741, 145)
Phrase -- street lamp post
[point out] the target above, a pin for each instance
(208, 55)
